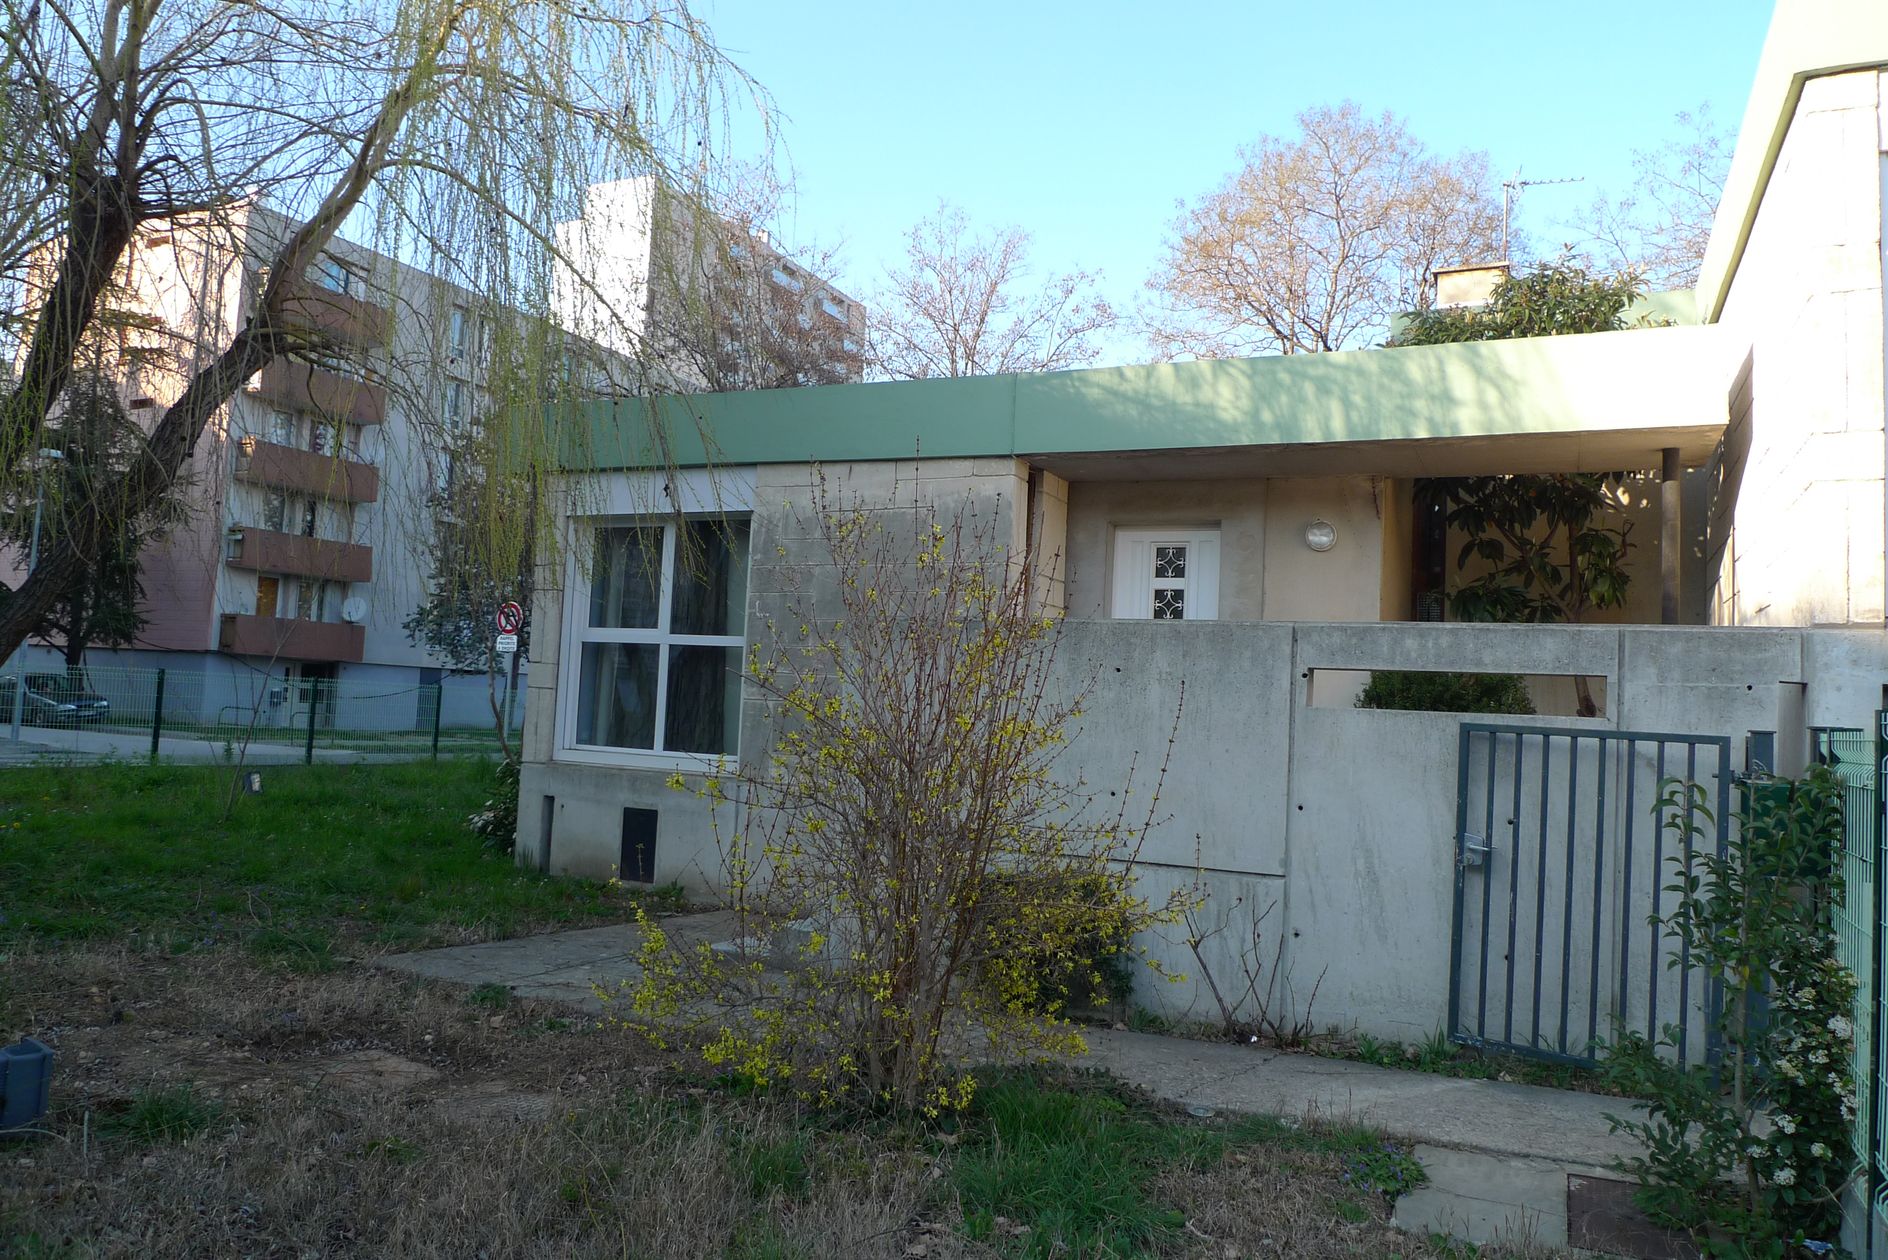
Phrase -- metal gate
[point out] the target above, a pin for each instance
(1563, 857)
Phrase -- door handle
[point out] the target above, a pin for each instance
(1474, 852)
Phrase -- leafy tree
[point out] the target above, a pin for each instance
(1544, 301)
(1317, 241)
(964, 304)
(1553, 546)
(97, 440)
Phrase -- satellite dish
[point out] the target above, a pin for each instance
(353, 610)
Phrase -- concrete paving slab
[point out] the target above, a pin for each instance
(1483, 1198)
(560, 966)
(1491, 1116)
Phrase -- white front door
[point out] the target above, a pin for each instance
(1166, 574)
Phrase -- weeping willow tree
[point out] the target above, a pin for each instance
(216, 153)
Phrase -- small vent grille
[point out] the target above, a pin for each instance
(638, 864)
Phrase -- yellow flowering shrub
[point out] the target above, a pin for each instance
(912, 881)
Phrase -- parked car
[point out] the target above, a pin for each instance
(53, 700)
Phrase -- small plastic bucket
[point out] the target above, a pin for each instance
(25, 1084)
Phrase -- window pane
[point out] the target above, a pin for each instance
(704, 699)
(710, 578)
(625, 588)
(1169, 604)
(616, 695)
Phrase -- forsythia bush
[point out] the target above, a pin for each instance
(909, 875)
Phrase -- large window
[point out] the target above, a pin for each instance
(654, 654)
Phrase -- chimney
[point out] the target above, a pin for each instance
(1469, 285)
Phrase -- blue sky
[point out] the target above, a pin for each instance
(1084, 123)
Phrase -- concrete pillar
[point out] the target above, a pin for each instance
(1671, 537)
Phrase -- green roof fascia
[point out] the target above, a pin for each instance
(965, 416)
(1598, 381)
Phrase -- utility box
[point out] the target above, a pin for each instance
(25, 1084)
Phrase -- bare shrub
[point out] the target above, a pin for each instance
(1260, 1003)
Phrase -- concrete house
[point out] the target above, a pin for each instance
(1247, 527)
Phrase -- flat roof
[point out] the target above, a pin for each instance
(1595, 399)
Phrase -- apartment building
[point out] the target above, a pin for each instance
(709, 303)
(309, 496)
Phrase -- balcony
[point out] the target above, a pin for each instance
(286, 638)
(271, 551)
(304, 387)
(327, 476)
(311, 308)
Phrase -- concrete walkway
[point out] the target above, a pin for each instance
(1505, 1161)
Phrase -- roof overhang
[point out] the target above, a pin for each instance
(1598, 401)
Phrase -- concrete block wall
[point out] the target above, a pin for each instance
(1346, 818)
(1808, 432)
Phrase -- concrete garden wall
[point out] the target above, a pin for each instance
(1335, 822)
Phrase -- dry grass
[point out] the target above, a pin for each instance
(354, 1113)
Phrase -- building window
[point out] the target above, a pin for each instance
(311, 599)
(455, 404)
(1166, 574)
(456, 335)
(275, 511)
(653, 654)
(333, 276)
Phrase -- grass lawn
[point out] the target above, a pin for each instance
(234, 1077)
(325, 857)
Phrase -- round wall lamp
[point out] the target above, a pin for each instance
(1320, 535)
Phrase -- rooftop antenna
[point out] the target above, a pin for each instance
(1510, 188)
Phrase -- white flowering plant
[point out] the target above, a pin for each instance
(1752, 1153)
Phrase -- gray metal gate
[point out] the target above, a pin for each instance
(1563, 856)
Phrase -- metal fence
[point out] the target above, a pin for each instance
(118, 713)
(1857, 757)
(1564, 857)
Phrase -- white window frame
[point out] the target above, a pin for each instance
(1133, 595)
(578, 631)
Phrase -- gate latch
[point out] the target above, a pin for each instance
(1474, 852)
